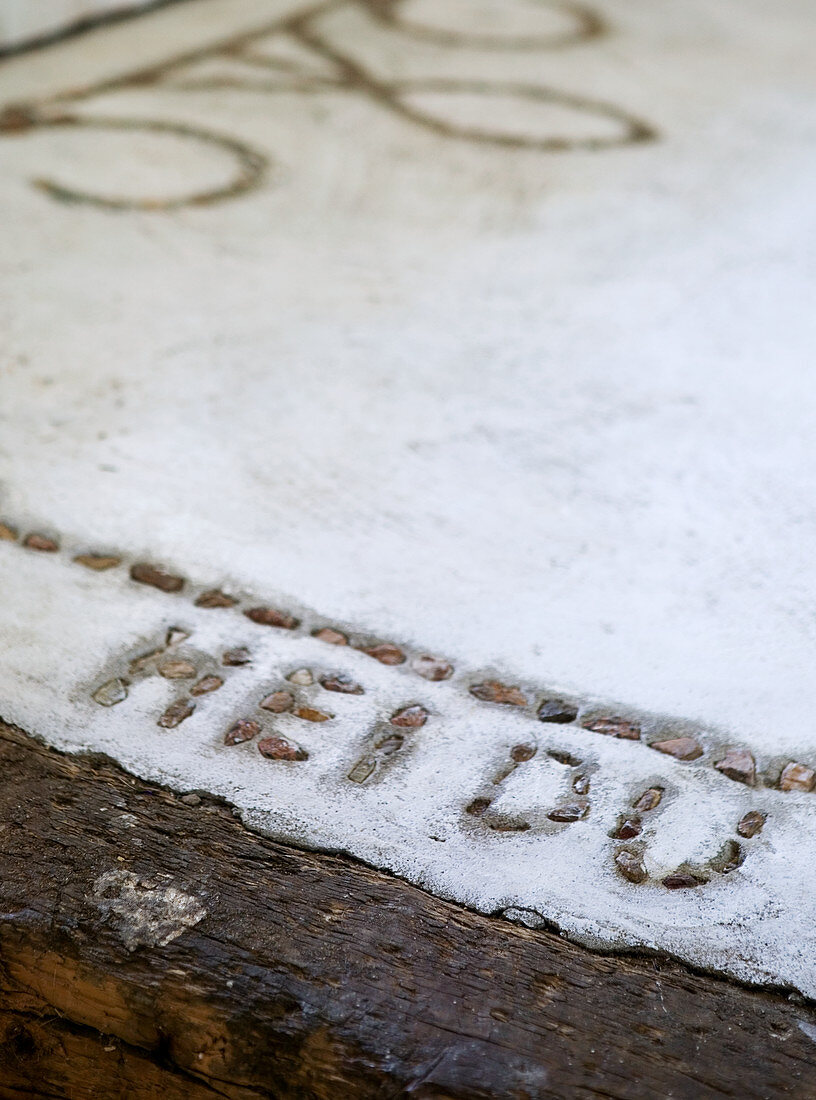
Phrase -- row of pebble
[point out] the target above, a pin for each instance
(737, 763)
(628, 862)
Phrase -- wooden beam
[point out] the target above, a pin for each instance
(153, 946)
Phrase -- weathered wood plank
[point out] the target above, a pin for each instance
(150, 947)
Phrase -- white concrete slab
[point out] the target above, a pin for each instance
(484, 332)
(26, 21)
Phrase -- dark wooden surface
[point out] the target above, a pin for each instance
(311, 976)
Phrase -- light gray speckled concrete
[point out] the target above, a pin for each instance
(548, 412)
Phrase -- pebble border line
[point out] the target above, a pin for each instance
(736, 763)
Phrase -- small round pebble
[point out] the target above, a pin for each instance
(572, 812)
(312, 714)
(278, 702)
(35, 541)
(751, 824)
(493, 691)
(215, 598)
(557, 710)
(243, 730)
(330, 636)
(681, 748)
(739, 765)
(206, 685)
(156, 577)
(111, 693)
(99, 563)
(176, 714)
(234, 658)
(631, 867)
(278, 748)
(341, 683)
(413, 717)
(432, 668)
(272, 616)
(681, 880)
(386, 653)
(614, 727)
(177, 669)
(649, 800)
(521, 753)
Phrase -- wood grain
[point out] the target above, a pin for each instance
(301, 975)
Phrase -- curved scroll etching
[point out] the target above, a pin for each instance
(250, 165)
(630, 130)
(586, 24)
(336, 71)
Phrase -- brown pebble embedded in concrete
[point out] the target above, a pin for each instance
(7, 533)
(386, 653)
(271, 616)
(144, 660)
(175, 636)
(649, 800)
(391, 743)
(520, 754)
(507, 826)
(556, 710)
(98, 562)
(111, 693)
(215, 598)
(156, 577)
(631, 867)
(728, 859)
(477, 807)
(206, 685)
(580, 784)
(35, 541)
(627, 828)
(243, 730)
(177, 669)
(330, 636)
(565, 758)
(176, 713)
(681, 880)
(235, 658)
(17, 119)
(341, 683)
(797, 777)
(432, 668)
(572, 812)
(739, 765)
(278, 748)
(413, 717)
(750, 824)
(362, 769)
(312, 714)
(614, 727)
(493, 691)
(302, 677)
(681, 748)
(278, 702)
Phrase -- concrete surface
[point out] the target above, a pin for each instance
(487, 331)
(26, 21)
